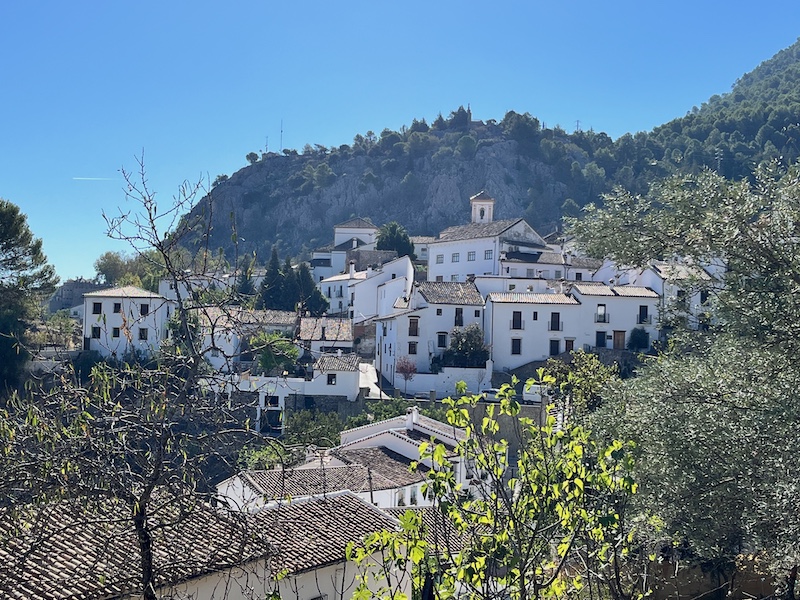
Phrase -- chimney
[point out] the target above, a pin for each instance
(339, 352)
(412, 417)
(352, 269)
(355, 243)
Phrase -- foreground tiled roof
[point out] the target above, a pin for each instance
(390, 464)
(593, 289)
(679, 272)
(311, 533)
(439, 531)
(473, 231)
(334, 362)
(530, 298)
(125, 291)
(340, 330)
(450, 292)
(67, 550)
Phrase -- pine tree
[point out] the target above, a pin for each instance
(270, 294)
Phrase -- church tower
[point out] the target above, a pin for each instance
(482, 207)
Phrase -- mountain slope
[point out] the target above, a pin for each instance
(423, 175)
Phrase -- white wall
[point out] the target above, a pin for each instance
(128, 323)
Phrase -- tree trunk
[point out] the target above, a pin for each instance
(791, 580)
(145, 542)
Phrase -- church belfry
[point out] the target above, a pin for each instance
(482, 207)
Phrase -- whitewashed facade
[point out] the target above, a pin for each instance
(125, 320)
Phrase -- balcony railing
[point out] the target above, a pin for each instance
(555, 326)
(644, 319)
(518, 325)
(601, 318)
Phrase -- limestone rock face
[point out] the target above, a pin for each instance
(294, 201)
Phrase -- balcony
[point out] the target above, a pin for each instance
(553, 326)
(516, 325)
(644, 319)
(601, 318)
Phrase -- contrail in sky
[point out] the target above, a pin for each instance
(93, 179)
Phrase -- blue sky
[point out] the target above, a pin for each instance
(87, 86)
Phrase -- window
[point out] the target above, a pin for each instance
(97, 308)
(471, 256)
(439, 259)
(516, 345)
(413, 327)
(439, 278)
(535, 315)
(455, 257)
(331, 378)
(438, 312)
(487, 255)
(555, 322)
(558, 274)
(477, 313)
(601, 316)
(516, 319)
(578, 276)
(413, 498)
(530, 273)
(144, 309)
(143, 334)
(569, 345)
(459, 321)
(644, 316)
(453, 277)
(95, 332)
(215, 352)
(115, 332)
(412, 347)
(117, 307)
(441, 339)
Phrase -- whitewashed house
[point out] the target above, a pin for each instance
(525, 326)
(684, 289)
(354, 234)
(124, 320)
(611, 313)
(420, 326)
(354, 294)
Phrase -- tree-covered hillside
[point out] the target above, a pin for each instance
(422, 175)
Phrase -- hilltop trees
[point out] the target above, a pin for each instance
(25, 279)
(286, 288)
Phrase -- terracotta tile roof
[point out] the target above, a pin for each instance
(678, 272)
(530, 298)
(554, 258)
(334, 362)
(422, 239)
(438, 530)
(340, 330)
(634, 291)
(357, 222)
(234, 317)
(280, 484)
(593, 289)
(314, 532)
(450, 292)
(473, 231)
(482, 195)
(390, 464)
(70, 550)
(126, 291)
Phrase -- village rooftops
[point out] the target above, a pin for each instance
(450, 292)
(335, 362)
(680, 272)
(286, 484)
(530, 298)
(234, 317)
(125, 291)
(325, 328)
(473, 231)
(66, 550)
(314, 532)
(601, 289)
(357, 223)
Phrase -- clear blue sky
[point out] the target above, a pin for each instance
(86, 86)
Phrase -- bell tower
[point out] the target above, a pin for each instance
(482, 207)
